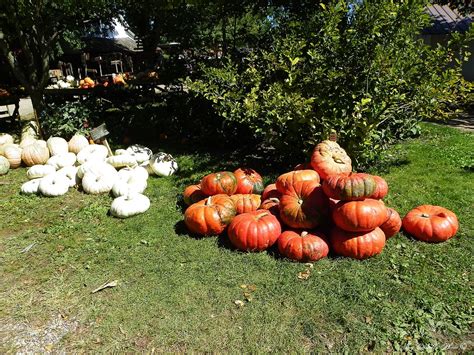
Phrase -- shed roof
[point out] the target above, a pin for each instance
(446, 20)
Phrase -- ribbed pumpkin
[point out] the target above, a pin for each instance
(210, 216)
(303, 246)
(381, 188)
(393, 223)
(246, 202)
(304, 205)
(329, 158)
(352, 187)
(5, 146)
(193, 194)
(13, 154)
(270, 192)
(357, 245)
(286, 180)
(35, 154)
(223, 182)
(359, 216)
(433, 224)
(254, 231)
(27, 141)
(248, 181)
(4, 165)
(76, 143)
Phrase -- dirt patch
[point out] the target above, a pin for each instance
(27, 338)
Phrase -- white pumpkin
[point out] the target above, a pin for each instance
(96, 167)
(163, 164)
(42, 143)
(92, 152)
(140, 152)
(77, 143)
(70, 172)
(97, 184)
(39, 171)
(120, 152)
(30, 187)
(137, 172)
(4, 165)
(129, 205)
(57, 145)
(120, 161)
(53, 185)
(5, 138)
(61, 160)
(127, 186)
(29, 130)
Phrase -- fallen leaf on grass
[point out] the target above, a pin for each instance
(239, 303)
(28, 248)
(106, 285)
(304, 275)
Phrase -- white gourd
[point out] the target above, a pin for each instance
(70, 172)
(53, 185)
(93, 152)
(39, 171)
(77, 143)
(30, 187)
(163, 164)
(120, 161)
(27, 141)
(120, 152)
(57, 145)
(4, 165)
(61, 160)
(129, 205)
(97, 184)
(127, 186)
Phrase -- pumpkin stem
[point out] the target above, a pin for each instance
(274, 199)
(209, 201)
(304, 234)
(424, 215)
(260, 215)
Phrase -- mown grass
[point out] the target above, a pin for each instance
(177, 293)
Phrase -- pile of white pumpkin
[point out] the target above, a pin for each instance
(56, 165)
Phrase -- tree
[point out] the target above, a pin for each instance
(31, 31)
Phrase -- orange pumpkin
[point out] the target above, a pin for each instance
(193, 194)
(303, 246)
(329, 158)
(223, 182)
(292, 177)
(357, 245)
(304, 205)
(246, 202)
(381, 188)
(270, 192)
(248, 181)
(352, 187)
(359, 216)
(271, 204)
(431, 224)
(210, 216)
(393, 223)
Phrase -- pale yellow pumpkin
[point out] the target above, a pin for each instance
(13, 154)
(35, 154)
(77, 142)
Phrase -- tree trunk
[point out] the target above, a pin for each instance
(37, 100)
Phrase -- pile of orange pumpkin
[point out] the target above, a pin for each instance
(319, 207)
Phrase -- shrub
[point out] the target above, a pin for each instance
(364, 73)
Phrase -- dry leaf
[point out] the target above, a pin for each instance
(239, 303)
(304, 275)
(106, 285)
(28, 248)
(243, 286)
(252, 288)
(310, 265)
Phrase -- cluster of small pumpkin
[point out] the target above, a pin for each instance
(307, 218)
(56, 165)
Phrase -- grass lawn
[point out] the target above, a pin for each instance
(178, 293)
